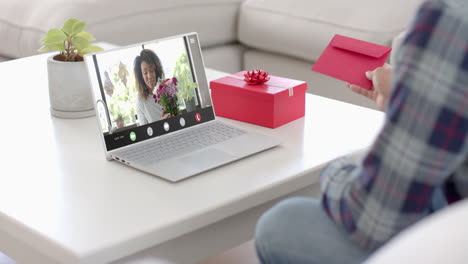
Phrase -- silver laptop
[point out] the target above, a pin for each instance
(155, 114)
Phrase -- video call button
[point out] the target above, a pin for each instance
(149, 131)
(198, 117)
(166, 126)
(132, 136)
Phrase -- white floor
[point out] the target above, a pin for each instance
(5, 260)
(244, 254)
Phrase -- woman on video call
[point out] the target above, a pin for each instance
(147, 69)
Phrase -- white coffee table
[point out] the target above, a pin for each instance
(62, 202)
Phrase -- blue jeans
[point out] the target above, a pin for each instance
(297, 230)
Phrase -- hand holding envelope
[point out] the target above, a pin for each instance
(381, 80)
(348, 59)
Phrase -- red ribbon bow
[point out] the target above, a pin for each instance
(256, 77)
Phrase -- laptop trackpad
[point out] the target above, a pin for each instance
(205, 159)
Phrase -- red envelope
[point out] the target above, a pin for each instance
(348, 59)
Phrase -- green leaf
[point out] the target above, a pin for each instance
(95, 48)
(68, 25)
(90, 49)
(86, 35)
(80, 43)
(44, 48)
(49, 47)
(54, 36)
(78, 27)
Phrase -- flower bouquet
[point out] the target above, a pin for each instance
(165, 94)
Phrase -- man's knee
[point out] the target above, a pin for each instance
(278, 227)
(297, 230)
(279, 215)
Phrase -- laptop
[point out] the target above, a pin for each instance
(155, 114)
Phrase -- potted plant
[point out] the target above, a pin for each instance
(119, 120)
(69, 92)
(186, 86)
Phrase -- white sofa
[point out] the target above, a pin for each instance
(282, 37)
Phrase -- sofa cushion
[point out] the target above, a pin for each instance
(24, 22)
(226, 58)
(303, 28)
(2, 59)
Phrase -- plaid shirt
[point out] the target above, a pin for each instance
(423, 144)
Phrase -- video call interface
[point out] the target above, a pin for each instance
(149, 90)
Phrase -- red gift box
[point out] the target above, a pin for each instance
(272, 104)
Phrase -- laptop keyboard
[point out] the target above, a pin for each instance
(181, 143)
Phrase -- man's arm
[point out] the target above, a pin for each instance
(422, 142)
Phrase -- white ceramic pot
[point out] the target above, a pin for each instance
(69, 91)
(190, 105)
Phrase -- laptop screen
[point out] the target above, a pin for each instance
(149, 89)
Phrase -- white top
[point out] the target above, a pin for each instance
(59, 194)
(147, 110)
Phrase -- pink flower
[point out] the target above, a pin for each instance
(166, 95)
